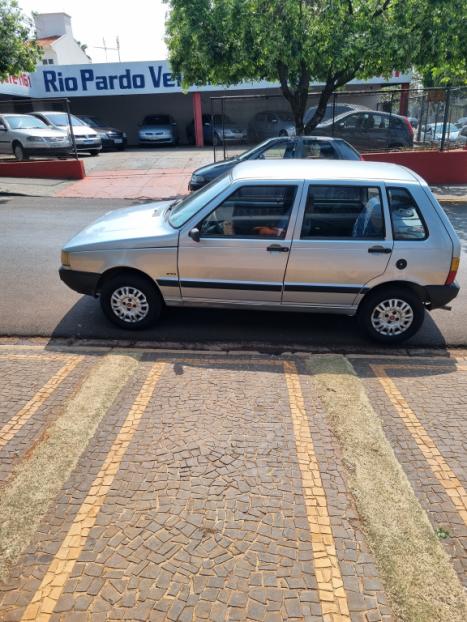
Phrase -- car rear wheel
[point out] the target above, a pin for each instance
(131, 301)
(19, 152)
(391, 315)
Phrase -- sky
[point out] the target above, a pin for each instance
(139, 24)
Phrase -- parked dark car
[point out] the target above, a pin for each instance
(303, 147)
(269, 124)
(158, 129)
(222, 130)
(370, 130)
(330, 112)
(111, 137)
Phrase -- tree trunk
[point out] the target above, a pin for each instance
(297, 95)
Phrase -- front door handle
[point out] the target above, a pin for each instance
(277, 248)
(379, 249)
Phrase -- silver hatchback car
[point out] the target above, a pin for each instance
(322, 236)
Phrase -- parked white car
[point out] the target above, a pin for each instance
(86, 139)
(24, 135)
(461, 140)
(433, 132)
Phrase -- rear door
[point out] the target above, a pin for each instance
(342, 240)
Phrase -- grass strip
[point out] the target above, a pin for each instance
(27, 496)
(417, 574)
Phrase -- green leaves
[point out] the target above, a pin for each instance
(17, 50)
(329, 41)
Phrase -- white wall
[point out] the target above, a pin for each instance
(69, 52)
(52, 25)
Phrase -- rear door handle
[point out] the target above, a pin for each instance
(379, 249)
(277, 248)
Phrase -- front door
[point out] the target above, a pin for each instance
(341, 243)
(243, 247)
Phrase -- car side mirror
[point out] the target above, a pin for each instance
(195, 234)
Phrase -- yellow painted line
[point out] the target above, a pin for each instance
(328, 575)
(438, 465)
(14, 425)
(44, 600)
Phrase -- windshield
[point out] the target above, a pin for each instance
(182, 212)
(24, 122)
(61, 119)
(157, 119)
(92, 121)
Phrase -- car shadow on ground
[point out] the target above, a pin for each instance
(261, 330)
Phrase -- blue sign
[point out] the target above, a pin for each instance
(85, 80)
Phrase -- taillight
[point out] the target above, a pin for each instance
(453, 270)
(409, 126)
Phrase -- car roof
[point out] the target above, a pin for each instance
(322, 170)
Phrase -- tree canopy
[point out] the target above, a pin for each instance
(297, 42)
(18, 52)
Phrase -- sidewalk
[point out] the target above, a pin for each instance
(141, 174)
(146, 485)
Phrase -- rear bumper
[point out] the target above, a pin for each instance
(81, 282)
(439, 295)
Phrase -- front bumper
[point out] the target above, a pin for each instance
(439, 295)
(81, 282)
(166, 140)
(112, 142)
(47, 151)
(192, 186)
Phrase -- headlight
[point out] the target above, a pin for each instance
(198, 179)
(35, 139)
(65, 259)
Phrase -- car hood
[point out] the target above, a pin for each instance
(107, 129)
(217, 168)
(157, 127)
(42, 131)
(144, 226)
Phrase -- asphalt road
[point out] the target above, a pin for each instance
(34, 302)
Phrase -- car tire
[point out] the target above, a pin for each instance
(94, 153)
(391, 315)
(283, 133)
(131, 301)
(19, 153)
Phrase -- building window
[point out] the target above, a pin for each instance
(48, 61)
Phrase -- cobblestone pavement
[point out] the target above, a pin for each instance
(213, 488)
(423, 407)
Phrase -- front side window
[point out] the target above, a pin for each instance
(407, 222)
(252, 212)
(353, 121)
(343, 212)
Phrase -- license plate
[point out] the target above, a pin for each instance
(118, 141)
(88, 140)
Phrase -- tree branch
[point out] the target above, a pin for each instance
(349, 2)
(381, 10)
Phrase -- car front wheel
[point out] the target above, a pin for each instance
(131, 301)
(391, 315)
(19, 152)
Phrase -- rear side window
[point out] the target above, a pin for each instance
(318, 149)
(343, 212)
(407, 221)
